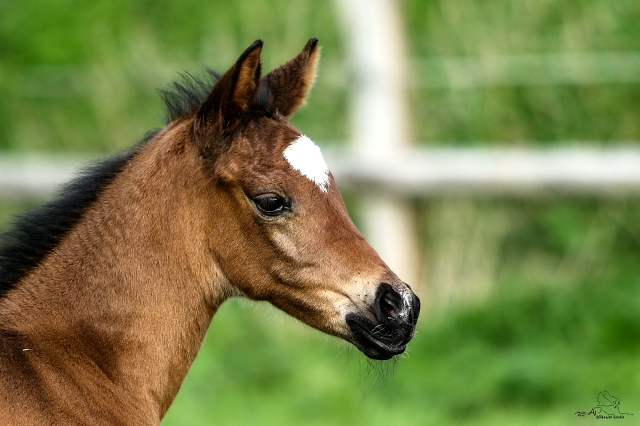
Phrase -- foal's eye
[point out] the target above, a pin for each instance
(271, 204)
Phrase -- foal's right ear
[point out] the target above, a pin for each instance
(285, 88)
(229, 98)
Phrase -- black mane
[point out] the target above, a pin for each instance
(183, 97)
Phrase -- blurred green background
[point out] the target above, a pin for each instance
(530, 305)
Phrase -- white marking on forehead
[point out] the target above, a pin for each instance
(305, 157)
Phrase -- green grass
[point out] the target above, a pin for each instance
(9, 207)
(527, 358)
(529, 304)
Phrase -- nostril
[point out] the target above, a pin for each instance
(389, 304)
(387, 307)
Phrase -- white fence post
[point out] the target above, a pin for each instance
(379, 123)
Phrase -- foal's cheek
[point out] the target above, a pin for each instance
(286, 246)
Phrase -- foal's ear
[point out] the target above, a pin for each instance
(229, 97)
(285, 88)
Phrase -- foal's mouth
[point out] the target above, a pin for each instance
(377, 341)
(392, 325)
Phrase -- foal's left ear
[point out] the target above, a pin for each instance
(285, 88)
(229, 98)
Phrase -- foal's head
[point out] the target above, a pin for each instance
(279, 228)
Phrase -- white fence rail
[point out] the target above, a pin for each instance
(496, 172)
(36, 175)
(417, 172)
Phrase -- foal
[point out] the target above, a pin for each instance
(106, 292)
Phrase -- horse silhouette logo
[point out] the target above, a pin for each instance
(608, 408)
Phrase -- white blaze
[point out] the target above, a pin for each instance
(305, 156)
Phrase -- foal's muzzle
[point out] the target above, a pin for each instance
(392, 325)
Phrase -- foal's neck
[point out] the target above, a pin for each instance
(133, 287)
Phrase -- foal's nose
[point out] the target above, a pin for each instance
(390, 306)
